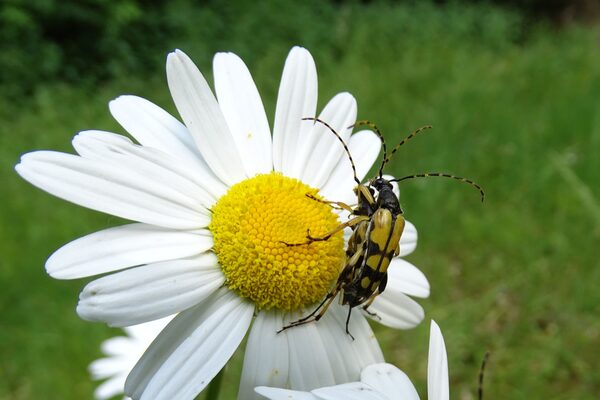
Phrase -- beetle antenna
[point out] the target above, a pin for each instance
(337, 135)
(406, 139)
(379, 135)
(443, 175)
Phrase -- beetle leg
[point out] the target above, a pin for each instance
(310, 239)
(353, 261)
(334, 204)
(348, 321)
(314, 316)
(369, 302)
(354, 221)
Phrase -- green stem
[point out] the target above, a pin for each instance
(214, 387)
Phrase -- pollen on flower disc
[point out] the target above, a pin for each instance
(251, 224)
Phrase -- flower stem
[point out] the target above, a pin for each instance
(214, 387)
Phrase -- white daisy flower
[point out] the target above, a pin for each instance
(122, 353)
(381, 381)
(214, 199)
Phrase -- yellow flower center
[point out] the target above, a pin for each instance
(251, 225)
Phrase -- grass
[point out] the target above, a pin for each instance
(517, 111)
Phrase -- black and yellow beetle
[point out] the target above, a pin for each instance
(377, 224)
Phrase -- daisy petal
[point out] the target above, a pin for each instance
(364, 147)
(363, 350)
(110, 388)
(437, 366)
(113, 189)
(153, 127)
(389, 381)
(341, 349)
(105, 367)
(112, 148)
(396, 310)
(151, 291)
(192, 349)
(284, 394)
(350, 391)
(297, 99)
(104, 143)
(200, 112)
(266, 358)
(244, 112)
(321, 148)
(408, 240)
(146, 332)
(309, 365)
(407, 278)
(117, 346)
(122, 247)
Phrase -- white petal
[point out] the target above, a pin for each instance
(113, 189)
(144, 334)
(389, 381)
(284, 394)
(105, 367)
(123, 353)
(203, 117)
(192, 349)
(363, 350)
(408, 279)
(309, 365)
(244, 112)
(108, 147)
(333, 357)
(408, 240)
(364, 147)
(105, 140)
(122, 247)
(117, 346)
(110, 388)
(152, 126)
(297, 99)
(350, 391)
(320, 151)
(151, 291)
(437, 366)
(343, 353)
(396, 310)
(266, 358)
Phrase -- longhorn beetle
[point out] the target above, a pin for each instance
(377, 224)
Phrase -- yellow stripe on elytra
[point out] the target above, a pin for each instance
(386, 238)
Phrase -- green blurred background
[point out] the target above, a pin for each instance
(511, 88)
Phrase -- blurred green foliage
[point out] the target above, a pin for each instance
(90, 41)
(514, 106)
(75, 40)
